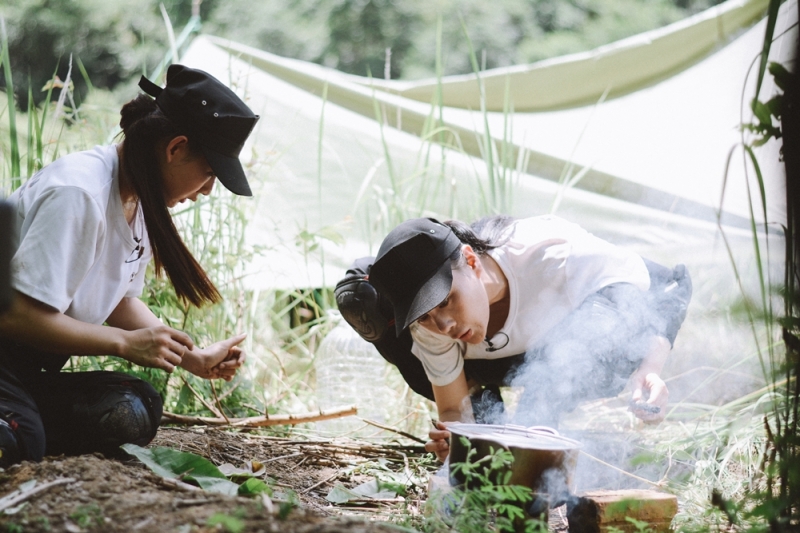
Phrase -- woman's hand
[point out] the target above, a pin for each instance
(156, 347)
(649, 392)
(440, 441)
(220, 360)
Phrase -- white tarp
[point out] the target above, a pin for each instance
(337, 155)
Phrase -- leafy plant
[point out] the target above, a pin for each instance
(88, 516)
(230, 523)
(485, 501)
(191, 468)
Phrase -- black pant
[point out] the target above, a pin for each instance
(75, 413)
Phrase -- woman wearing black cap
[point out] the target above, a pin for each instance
(86, 227)
(538, 303)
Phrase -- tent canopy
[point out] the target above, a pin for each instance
(636, 140)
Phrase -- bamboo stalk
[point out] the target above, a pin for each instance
(260, 421)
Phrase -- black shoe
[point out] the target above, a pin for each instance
(9, 446)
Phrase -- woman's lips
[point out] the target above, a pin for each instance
(466, 335)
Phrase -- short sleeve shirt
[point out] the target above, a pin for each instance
(76, 251)
(551, 266)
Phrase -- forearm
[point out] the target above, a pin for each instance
(657, 354)
(452, 401)
(132, 314)
(39, 326)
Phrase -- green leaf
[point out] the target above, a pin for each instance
(761, 111)
(782, 76)
(371, 489)
(775, 105)
(172, 464)
(254, 487)
(340, 494)
(231, 524)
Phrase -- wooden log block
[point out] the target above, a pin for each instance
(599, 511)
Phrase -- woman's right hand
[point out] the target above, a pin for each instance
(156, 347)
(440, 441)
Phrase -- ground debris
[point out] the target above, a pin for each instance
(116, 495)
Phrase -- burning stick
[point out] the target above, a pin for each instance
(646, 407)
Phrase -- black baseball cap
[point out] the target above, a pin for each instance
(213, 116)
(412, 268)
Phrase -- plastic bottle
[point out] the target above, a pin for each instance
(350, 371)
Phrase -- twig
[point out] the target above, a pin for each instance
(259, 421)
(11, 500)
(281, 457)
(177, 484)
(231, 390)
(387, 428)
(216, 398)
(202, 400)
(317, 484)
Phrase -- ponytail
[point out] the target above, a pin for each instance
(146, 130)
(482, 235)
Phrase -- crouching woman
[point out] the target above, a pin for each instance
(86, 226)
(538, 303)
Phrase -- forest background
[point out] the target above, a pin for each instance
(353, 36)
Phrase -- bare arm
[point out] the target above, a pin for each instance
(219, 360)
(646, 383)
(453, 406)
(38, 325)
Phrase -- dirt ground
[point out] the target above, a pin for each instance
(115, 495)
(93, 493)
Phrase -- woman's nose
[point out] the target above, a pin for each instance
(209, 187)
(444, 323)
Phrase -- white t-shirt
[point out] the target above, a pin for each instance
(76, 252)
(551, 266)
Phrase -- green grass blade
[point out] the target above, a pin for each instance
(14, 161)
(772, 18)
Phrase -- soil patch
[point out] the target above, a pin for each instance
(117, 495)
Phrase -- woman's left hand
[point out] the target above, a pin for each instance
(649, 393)
(220, 360)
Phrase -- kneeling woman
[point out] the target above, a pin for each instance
(538, 303)
(86, 227)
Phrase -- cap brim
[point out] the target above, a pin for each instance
(229, 171)
(432, 293)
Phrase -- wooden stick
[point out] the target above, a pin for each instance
(317, 484)
(11, 501)
(387, 428)
(200, 397)
(259, 421)
(219, 404)
(177, 484)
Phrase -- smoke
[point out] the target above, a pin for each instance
(590, 354)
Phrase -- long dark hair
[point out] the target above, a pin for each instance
(146, 131)
(482, 235)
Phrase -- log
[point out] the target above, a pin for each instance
(600, 511)
(259, 421)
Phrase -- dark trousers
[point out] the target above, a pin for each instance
(55, 413)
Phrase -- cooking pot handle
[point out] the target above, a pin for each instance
(535, 429)
(543, 429)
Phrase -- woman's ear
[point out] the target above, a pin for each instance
(472, 259)
(177, 148)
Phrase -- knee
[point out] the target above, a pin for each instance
(126, 412)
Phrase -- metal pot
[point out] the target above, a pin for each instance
(543, 459)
